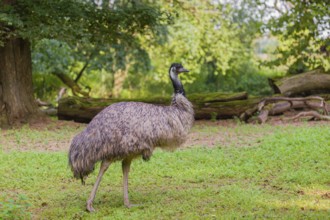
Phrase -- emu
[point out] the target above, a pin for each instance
(127, 130)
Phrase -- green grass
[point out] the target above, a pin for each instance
(283, 173)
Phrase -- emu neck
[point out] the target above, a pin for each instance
(177, 85)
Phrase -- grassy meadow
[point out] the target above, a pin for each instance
(226, 170)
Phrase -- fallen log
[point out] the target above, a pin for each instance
(206, 106)
(223, 110)
(305, 84)
(50, 111)
(209, 105)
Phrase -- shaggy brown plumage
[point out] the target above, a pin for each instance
(126, 130)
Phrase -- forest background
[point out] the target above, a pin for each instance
(228, 46)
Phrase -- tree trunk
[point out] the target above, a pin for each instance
(118, 82)
(119, 78)
(17, 103)
(206, 106)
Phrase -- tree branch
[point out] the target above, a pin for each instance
(313, 114)
(81, 72)
(322, 105)
(71, 84)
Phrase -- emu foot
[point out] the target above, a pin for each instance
(89, 207)
(129, 205)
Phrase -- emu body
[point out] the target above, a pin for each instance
(126, 130)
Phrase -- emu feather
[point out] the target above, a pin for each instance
(126, 130)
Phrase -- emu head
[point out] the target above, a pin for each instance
(176, 69)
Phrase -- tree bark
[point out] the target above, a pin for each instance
(119, 78)
(206, 106)
(305, 84)
(17, 104)
(118, 81)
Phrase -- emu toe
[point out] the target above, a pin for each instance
(129, 205)
(89, 207)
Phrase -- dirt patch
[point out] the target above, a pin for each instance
(54, 135)
(50, 135)
(222, 133)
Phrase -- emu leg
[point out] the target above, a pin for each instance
(104, 166)
(126, 167)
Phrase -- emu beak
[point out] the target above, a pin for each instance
(183, 70)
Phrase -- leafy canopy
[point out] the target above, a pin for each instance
(213, 40)
(75, 21)
(303, 30)
(68, 34)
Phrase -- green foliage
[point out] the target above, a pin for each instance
(244, 76)
(302, 28)
(75, 21)
(239, 171)
(46, 86)
(68, 35)
(202, 35)
(51, 56)
(216, 40)
(213, 40)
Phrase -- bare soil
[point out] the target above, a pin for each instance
(54, 135)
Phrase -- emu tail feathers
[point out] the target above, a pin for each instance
(82, 158)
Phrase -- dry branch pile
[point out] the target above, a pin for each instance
(313, 107)
(297, 94)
